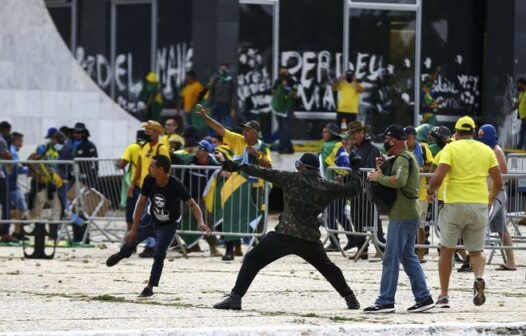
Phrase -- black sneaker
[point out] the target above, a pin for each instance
(466, 267)
(478, 288)
(114, 259)
(422, 306)
(378, 308)
(229, 256)
(146, 292)
(352, 302)
(147, 253)
(232, 301)
(443, 302)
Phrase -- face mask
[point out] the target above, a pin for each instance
(58, 147)
(387, 146)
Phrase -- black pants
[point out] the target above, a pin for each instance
(274, 246)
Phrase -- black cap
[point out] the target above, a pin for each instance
(310, 161)
(333, 128)
(253, 124)
(410, 130)
(395, 131)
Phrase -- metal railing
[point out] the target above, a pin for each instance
(233, 205)
(344, 222)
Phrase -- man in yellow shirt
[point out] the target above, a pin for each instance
(171, 139)
(349, 89)
(247, 149)
(190, 95)
(521, 110)
(153, 129)
(466, 163)
(131, 157)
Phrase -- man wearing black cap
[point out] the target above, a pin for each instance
(305, 196)
(403, 225)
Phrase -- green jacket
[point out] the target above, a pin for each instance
(407, 185)
(305, 196)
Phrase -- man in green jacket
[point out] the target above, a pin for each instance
(403, 226)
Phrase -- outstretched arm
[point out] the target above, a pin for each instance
(216, 126)
(198, 216)
(281, 178)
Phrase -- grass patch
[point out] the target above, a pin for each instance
(107, 298)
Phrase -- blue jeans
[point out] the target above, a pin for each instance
(285, 134)
(164, 234)
(400, 248)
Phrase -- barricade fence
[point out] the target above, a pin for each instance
(233, 205)
(338, 221)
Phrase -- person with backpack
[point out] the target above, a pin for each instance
(403, 225)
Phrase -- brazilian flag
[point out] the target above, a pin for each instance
(240, 212)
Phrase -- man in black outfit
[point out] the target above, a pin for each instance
(165, 193)
(305, 196)
(362, 211)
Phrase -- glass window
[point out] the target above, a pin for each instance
(62, 18)
(93, 41)
(174, 56)
(133, 54)
(381, 54)
(311, 34)
(452, 54)
(255, 63)
(411, 2)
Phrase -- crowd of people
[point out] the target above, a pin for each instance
(49, 183)
(462, 163)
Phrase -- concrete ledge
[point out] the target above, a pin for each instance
(355, 330)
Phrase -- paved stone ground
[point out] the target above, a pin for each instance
(77, 291)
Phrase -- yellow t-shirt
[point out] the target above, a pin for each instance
(165, 139)
(467, 179)
(131, 154)
(422, 193)
(146, 155)
(237, 143)
(190, 94)
(440, 190)
(348, 97)
(522, 104)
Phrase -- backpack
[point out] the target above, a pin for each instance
(384, 197)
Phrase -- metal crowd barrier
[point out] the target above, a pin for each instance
(104, 192)
(39, 197)
(342, 221)
(234, 205)
(353, 217)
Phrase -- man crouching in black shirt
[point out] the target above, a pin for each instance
(165, 193)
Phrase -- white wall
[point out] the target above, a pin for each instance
(41, 84)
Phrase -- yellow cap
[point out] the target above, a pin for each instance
(152, 77)
(466, 123)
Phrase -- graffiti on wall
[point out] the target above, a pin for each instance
(172, 63)
(254, 81)
(316, 71)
